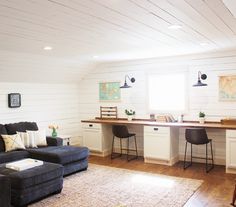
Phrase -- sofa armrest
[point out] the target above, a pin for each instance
(5, 191)
(51, 141)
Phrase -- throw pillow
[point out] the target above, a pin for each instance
(25, 139)
(12, 142)
(32, 140)
(39, 137)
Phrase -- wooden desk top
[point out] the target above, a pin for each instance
(216, 125)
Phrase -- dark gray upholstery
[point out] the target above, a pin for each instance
(2, 131)
(32, 176)
(68, 156)
(51, 141)
(75, 167)
(5, 191)
(23, 197)
(21, 127)
(13, 156)
(35, 183)
(61, 155)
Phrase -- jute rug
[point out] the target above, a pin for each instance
(102, 186)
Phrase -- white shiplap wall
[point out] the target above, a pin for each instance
(201, 98)
(45, 104)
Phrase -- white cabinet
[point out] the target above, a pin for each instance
(161, 145)
(231, 151)
(95, 137)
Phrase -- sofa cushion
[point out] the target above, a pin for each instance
(2, 131)
(12, 142)
(59, 154)
(21, 127)
(13, 156)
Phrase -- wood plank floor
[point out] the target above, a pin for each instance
(216, 191)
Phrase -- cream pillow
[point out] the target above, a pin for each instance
(24, 138)
(12, 142)
(32, 140)
(38, 136)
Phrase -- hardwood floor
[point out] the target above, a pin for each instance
(216, 190)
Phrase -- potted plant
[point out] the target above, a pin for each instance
(54, 130)
(130, 113)
(201, 117)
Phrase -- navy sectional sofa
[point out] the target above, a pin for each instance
(62, 159)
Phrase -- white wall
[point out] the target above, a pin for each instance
(45, 104)
(200, 98)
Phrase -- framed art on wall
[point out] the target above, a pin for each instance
(109, 91)
(14, 100)
(227, 88)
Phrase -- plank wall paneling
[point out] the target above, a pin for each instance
(45, 104)
(199, 98)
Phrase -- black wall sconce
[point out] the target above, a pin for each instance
(200, 77)
(132, 80)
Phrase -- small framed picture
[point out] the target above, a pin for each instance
(14, 100)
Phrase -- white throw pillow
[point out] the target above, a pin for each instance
(31, 138)
(25, 138)
(12, 142)
(39, 137)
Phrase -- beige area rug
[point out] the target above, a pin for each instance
(102, 186)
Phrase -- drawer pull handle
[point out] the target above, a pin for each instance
(90, 125)
(155, 129)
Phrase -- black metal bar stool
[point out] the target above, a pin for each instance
(198, 136)
(121, 132)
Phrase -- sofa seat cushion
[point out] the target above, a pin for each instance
(21, 127)
(13, 156)
(59, 154)
(33, 176)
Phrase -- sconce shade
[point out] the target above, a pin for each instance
(132, 80)
(200, 77)
(125, 85)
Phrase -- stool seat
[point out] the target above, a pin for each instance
(121, 132)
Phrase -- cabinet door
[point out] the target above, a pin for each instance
(92, 139)
(231, 153)
(157, 147)
(230, 149)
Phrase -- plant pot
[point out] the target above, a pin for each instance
(130, 117)
(201, 120)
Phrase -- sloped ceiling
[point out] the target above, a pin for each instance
(113, 30)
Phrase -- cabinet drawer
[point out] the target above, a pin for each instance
(157, 147)
(155, 130)
(231, 133)
(91, 126)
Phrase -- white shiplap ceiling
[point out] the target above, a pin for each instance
(115, 29)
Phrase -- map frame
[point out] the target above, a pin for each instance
(227, 88)
(109, 91)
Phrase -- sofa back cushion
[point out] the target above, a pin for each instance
(21, 127)
(2, 144)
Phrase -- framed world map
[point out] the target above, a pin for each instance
(227, 88)
(109, 91)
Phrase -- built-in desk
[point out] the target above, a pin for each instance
(160, 145)
(216, 125)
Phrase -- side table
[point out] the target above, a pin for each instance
(66, 138)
